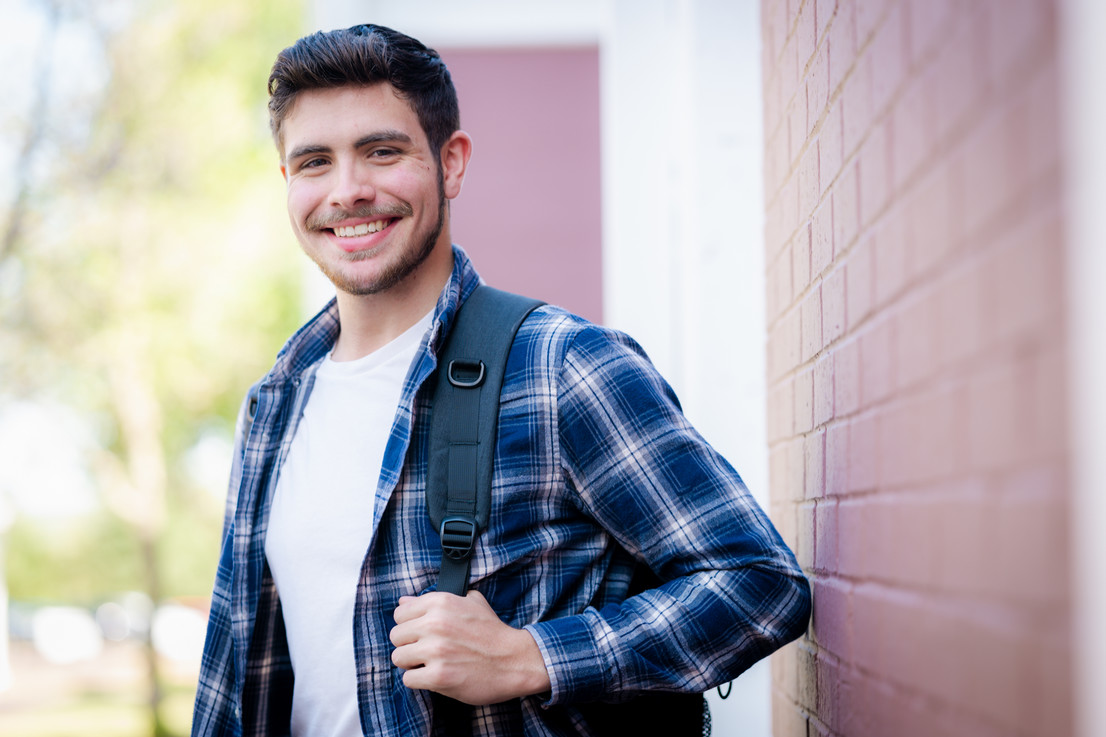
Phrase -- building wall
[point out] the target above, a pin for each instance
(916, 364)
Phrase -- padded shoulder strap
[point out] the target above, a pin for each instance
(464, 414)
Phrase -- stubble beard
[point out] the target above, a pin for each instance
(407, 260)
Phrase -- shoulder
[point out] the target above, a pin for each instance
(554, 334)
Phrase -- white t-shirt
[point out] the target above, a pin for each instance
(320, 524)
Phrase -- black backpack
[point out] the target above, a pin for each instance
(464, 414)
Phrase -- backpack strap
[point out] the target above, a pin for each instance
(464, 414)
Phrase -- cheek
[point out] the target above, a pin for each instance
(302, 200)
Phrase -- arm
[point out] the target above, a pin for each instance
(732, 592)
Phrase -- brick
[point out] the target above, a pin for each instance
(796, 467)
(825, 541)
(804, 402)
(796, 121)
(808, 679)
(877, 363)
(821, 239)
(815, 454)
(928, 23)
(957, 83)
(837, 459)
(1046, 403)
(823, 13)
(996, 434)
(846, 209)
(809, 193)
(965, 558)
(789, 357)
(829, 148)
(1038, 129)
(869, 15)
(1033, 506)
(846, 379)
(842, 45)
(911, 134)
(800, 262)
(891, 51)
(1024, 296)
(781, 411)
(891, 252)
(930, 213)
(817, 89)
(806, 34)
(812, 324)
(894, 445)
(833, 306)
(789, 205)
(853, 554)
(857, 117)
(989, 183)
(777, 473)
(862, 453)
(961, 314)
(916, 347)
(1017, 31)
(830, 618)
(875, 174)
(823, 390)
(804, 544)
(788, 720)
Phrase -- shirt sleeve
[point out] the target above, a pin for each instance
(730, 590)
(216, 711)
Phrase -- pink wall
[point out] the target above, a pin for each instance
(916, 363)
(529, 214)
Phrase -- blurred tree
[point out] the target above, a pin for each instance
(147, 275)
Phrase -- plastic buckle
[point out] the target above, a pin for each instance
(458, 537)
(466, 374)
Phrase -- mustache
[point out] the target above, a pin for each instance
(368, 212)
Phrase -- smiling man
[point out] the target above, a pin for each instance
(625, 568)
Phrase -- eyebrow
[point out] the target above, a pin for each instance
(384, 136)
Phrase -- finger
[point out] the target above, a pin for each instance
(409, 607)
(407, 657)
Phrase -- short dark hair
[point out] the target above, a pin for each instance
(366, 55)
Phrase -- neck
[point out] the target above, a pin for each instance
(371, 321)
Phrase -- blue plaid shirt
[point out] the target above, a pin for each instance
(597, 473)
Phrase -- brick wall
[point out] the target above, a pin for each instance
(915, 364)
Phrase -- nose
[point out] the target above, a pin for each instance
(352, 186)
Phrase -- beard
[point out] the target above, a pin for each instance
(407, 259)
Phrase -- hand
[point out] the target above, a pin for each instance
(458, 647)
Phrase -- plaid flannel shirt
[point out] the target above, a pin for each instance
(596, 473)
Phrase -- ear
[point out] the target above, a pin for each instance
(455, 156)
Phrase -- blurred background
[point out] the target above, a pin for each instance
(147, 275)
(861, 238)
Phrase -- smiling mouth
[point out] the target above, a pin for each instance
(354, 231)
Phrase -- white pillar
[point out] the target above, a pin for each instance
(1082, 30)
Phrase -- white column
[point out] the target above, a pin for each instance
(683, 232)
(1082, 30)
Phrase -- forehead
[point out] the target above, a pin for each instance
(340, 115)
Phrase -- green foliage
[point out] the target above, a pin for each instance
(157, 280)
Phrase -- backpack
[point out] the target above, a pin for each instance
(464, 414)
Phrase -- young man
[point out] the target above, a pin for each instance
(324, 619)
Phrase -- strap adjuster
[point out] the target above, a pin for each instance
(458, 537)
(466, 374)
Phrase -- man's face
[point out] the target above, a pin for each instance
(365, 193)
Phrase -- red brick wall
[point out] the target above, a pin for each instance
(916, 400)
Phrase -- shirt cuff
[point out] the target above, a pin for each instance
(578, 654)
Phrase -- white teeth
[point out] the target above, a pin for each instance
(352, 231)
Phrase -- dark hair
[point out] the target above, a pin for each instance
(367, 55)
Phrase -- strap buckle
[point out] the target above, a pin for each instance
(458, 537)
(466, 374)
